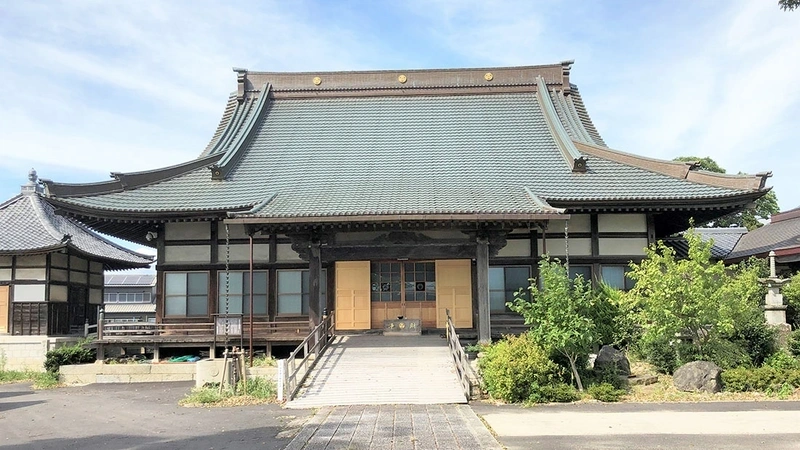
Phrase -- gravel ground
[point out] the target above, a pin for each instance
(139, 415)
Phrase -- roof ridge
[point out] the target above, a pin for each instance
(224, 125)
(38, 208)
(583, 114)
(572, 156)
(574, 113)
(10, 201)
(223, 168)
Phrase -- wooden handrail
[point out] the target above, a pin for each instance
(463, 369)
(289, 377)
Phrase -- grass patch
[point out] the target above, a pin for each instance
(41, 380)
(259, 391)
(14, 376)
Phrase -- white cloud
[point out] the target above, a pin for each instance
(95, 87)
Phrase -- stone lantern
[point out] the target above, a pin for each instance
(774, 309)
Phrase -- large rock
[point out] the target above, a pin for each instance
(698, 376)
(609, 358)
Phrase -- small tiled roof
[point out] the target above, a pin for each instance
(782, 233)
(500, 142)
(723, 241)
(118, 280)
(30, 225)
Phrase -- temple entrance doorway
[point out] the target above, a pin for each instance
(403, 289)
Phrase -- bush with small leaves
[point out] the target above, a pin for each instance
(793, 343)
(68, 354)
(782, 360)
(513, 365)
(552, 393)
(760, 379)
(605, 392)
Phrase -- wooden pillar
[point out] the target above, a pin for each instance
(315, 306)
(482, 275)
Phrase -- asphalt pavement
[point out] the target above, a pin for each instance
(147, 415)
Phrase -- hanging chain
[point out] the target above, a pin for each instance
(566, 245)
(227, 280)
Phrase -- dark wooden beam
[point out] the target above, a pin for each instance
(315, 306)
(482, 282)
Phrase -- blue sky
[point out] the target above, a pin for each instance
(93, 87)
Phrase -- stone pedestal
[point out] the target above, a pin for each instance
(402, 327)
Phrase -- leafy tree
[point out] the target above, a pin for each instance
(560, 314)
(692, 297)
(789, 5)
(763, 208)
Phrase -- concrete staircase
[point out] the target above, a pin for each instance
(381, 370)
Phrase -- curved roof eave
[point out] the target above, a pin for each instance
(127, 181)
(680, 170)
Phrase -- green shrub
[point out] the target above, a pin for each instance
(68, 354)
(756, 338)
(726, 354)
(513, 365)
(552, 393)
(605, 392)
(793, 343)
(782, 360)
(761, 379)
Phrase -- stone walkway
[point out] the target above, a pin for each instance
(382, 370)
(387, 427)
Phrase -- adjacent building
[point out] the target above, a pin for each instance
(129, 298)
(51, 276)
(409, 193)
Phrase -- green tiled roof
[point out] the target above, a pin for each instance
(343, 155)
(402, 155)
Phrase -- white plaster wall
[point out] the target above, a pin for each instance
(241, 253)
(58, 293)
(187, 230)
(516, 248)
(577, 247)
(32, 261)
(578, 223)
(29, 292)
(96, 296)
(39, 273)
(59, 275)
(622, 223)
(236, 231)
(187, 253)
(59, 260)
(285, 253)
(622, 246)
(5, 274)
(77, 263)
